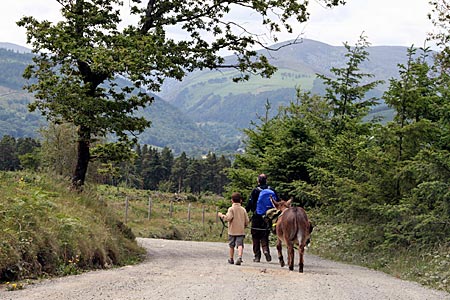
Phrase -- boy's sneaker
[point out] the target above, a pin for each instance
(257, 259)
(230, 261)
(239, 261)
(268, 257)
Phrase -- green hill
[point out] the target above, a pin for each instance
(211, 97)
(207, 110)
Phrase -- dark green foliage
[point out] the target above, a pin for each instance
(157, 169)
(280, 147)
(16, 154)
(346, 91)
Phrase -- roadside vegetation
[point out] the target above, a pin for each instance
(47, 230)
(361, 244)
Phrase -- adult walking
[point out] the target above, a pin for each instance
(258, 204)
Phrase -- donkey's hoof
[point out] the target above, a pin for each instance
(281, 260)
(291, 268)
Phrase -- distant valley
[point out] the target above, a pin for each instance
(206, 111)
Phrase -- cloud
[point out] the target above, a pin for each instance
(385, 22)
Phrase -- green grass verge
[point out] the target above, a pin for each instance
(357, 244)
(46, 230)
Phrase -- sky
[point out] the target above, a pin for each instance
(384, 22)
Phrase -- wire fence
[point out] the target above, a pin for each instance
(141, 208)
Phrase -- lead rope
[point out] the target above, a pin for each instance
(223, 226)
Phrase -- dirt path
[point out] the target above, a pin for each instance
(199, 270)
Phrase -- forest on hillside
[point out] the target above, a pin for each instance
(148, 169)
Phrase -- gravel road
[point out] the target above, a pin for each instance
(199, 270)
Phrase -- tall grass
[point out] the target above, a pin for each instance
(48, 230)
(360, 245)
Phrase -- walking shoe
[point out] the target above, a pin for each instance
(231, 261)
(257, 259)
(239, 261)
(268, 257)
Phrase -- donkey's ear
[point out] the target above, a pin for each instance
(289, 202)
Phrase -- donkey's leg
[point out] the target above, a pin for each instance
(301, 251)
(280, 252)
(290, 246)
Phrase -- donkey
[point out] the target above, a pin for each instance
(292, 227)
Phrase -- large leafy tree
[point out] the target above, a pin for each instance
(79, 58)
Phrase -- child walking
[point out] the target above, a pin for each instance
(237, 219)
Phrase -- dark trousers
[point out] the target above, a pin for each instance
(260, 236)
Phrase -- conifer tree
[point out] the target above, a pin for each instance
(346, 91)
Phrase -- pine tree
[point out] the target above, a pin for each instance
(346, 91)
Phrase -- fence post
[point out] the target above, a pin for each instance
(203, 214)
(126, 209)
(189, 212)
(149, 207)
(217, 217)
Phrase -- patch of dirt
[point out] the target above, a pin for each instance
(199, 270)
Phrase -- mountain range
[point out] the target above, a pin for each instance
(207, 111)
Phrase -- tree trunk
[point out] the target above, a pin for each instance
(83, 157)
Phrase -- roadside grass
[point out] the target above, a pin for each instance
(358, 245)
(48, 230)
